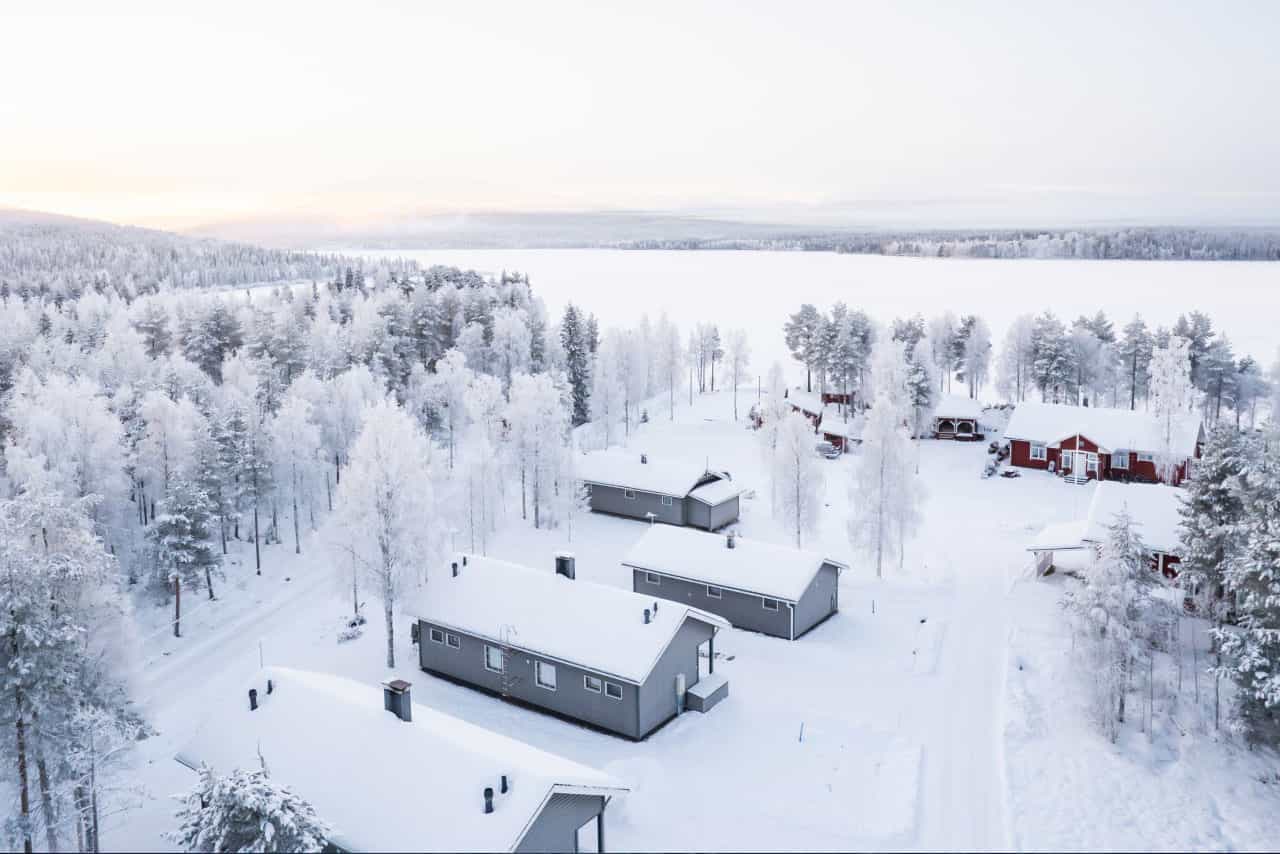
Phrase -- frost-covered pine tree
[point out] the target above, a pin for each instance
(1212, 512)
(246, 811)
(1115, 609)
(578, 350)
(797, 477)
(451, 383)
(387, 507)
(886, 493)
(1171, 397)
(1251, 650)
(1013, 372)
(182, 535)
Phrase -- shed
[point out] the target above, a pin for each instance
(671, 491)
(957, 417)
(776, 590)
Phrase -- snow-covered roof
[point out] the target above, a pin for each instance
(624, 469)
(751, 566)
(957, 406)
(1152, 507)
(593, 626)
(833, 424)
(809, 401)
(1059, 536)
(381, 783)
(1112, 429)
(716, 492)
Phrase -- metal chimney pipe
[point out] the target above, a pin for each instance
(644, 458)
(455, 569)
(464, 560)
(488, 799)
(270, 686)
(503, 787)
(253, 692)
(646, 616)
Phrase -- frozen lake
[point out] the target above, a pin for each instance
(757, 290)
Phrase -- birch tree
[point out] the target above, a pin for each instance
(738, 356)
(1171, 399)
(886, 493)
(797, 477)
(387, 507)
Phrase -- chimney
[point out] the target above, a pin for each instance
(502, 788)
(729, 540)
(655, 607)
(270, 686)
(396, 699)
(455, 569)
(464, 560)
(566, 565)
(253, 692)
(488, 799)
(646, 616)
(644, 459)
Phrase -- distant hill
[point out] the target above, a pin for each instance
(60, 255)
(656, 230)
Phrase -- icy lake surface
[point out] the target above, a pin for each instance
(756, 290)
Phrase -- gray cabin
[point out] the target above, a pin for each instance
(761, 587)
(674, 493)
(403, 777)
(598, 655)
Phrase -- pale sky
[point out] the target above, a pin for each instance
(1043, 111)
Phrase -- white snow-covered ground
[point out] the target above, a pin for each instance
(938, 710)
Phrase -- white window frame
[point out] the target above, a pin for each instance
(1039, 452)
(587, 679)
(652, 578)
(666, 501)
(718, 594)
(501, 662)
(538, 668)
(1120, 459)
(629, 494)
(1146, 458)
(764, 603)
(436, 635)
(609, 687)
(451, 640)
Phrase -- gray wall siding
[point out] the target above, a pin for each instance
(570, 698)
(742, 610)
(820, 599)
(724, 514)
(697, 514)
(612, 499)
(658, 693)
(556, 827)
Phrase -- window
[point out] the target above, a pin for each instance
(493, 658)
(545, 675)
(713, 592)
(629, 493)
(652, 578)
(613, 691)
(437, 636)
(769, 604)
(666, 501)
(592, 684)
(453, 641)
(1120, 459)
(1146, 458)
(1039, 452)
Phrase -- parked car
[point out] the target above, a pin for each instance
(827, 450)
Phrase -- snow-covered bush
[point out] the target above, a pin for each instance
(245, 811)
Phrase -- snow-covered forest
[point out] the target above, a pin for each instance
(1144, 244)
(178, 415)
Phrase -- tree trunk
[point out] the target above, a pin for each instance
(524, 504)
(222, 531)
(24, 795)
(257, 549)
(208, 581)
(337, 468)
(297, 540)
(391, 635)
(177, 605)
(42, 776)
(808, 378)
(328, 492)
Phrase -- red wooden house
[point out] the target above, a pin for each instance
(1082, 443)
